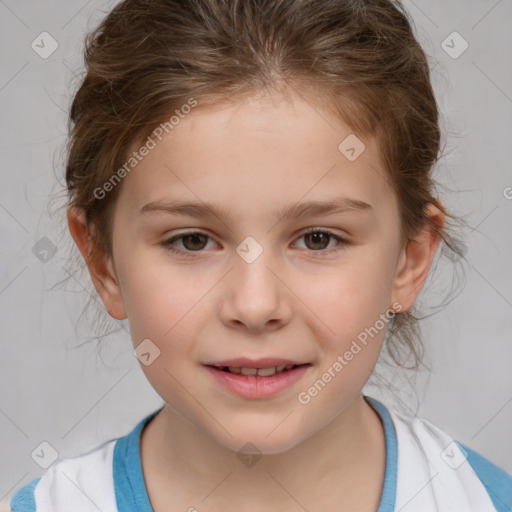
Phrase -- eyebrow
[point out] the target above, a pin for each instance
(308, 208)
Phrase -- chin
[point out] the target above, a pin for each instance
(254, 441)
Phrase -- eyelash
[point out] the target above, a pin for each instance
(167, 244)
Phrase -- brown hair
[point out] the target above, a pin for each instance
(148, 58)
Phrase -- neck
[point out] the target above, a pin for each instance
(345, 455)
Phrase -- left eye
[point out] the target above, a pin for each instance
(195, 241)
(317, 236)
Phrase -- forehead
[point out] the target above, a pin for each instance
(256, 152)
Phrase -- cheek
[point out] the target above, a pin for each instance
(353, 296)
(161, 310)
(157, 296)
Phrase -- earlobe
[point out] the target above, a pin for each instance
(100, 265)
(416, 258)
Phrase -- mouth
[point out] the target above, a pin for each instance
(259, 372)
(257, 379)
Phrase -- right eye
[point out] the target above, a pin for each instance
(193, 241)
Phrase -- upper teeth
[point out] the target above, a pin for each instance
(262, 372)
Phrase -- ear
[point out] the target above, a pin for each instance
(100, 265)
(416, 258)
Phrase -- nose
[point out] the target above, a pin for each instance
(255, 295)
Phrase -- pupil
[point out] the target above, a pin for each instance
(195, 237)
(317, 239)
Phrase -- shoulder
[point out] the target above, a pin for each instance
(496, 480)
(108, 478)
(452, 472)
(82, 483)
(23, 499)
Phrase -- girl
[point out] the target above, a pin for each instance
(250, 187)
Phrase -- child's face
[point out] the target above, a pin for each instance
(295, 300)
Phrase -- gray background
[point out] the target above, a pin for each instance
(57, 387)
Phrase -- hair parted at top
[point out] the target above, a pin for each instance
(358, 58)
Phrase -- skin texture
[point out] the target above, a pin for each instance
(254, 157)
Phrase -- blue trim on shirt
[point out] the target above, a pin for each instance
(496, 480)
(23, 499)
(130, 488)
(387, 501)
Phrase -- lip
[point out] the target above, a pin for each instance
(245, 362)
(255, 386)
